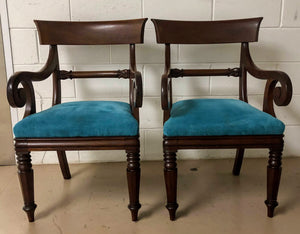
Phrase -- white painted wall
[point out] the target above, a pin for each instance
(278, 48)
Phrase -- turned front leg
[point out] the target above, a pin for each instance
(170, 173)
(273, 179)
(26, 181)
(133, 179)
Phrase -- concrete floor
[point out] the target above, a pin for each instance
(95, 200)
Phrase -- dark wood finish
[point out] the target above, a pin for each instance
(222, 142)
(95, 74)
(26, 181)
(135, 85)
(273, 179)
(206, 32)
(76, 143)
(229, 31)
(238, 161)
(20, 92)
(174, 73)
(91, 33)
(64, 166)
(166, 85)
(133, 180)
(170, 174)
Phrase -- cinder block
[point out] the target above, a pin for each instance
(24, 49)
(86, 54)
(191, 86)
(151, 114)
(153, 144)
(235, 9)
(276, 45)
(21, 13)
(149, 52)
(95, 88)
(152, 80)
(224, 85)
(217, 53)
(105, 10)
(177, 10)
(291, 17)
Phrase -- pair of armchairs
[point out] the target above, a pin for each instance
(109, 125)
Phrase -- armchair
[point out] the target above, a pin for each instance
(84, 125)
(221, 123)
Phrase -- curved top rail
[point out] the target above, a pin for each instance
(91, 33)
(207, 32)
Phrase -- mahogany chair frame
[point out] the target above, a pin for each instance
(214, 32)
(55, 33)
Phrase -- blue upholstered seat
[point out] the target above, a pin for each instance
(219, 117)
(80, 119)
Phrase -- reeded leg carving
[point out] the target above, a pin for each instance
(238, 161)
(63, 163)
(133, 180)
(170, 172)
(273, 179)
(26, 181)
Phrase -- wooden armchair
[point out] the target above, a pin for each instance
(88, 125)
(221, 123)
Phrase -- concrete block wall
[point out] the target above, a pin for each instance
(278, 48)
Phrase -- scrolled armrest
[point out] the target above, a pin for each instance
(19, 96)
(281, 95)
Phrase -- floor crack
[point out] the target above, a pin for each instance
(56, 225)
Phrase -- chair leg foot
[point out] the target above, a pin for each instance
(133, 180)
(238, 161)
(172, 207)
(271, 207)
(273, 179)
(134, 211)
(25, 173)
(170, 173)
(63, 163)
(29, 209)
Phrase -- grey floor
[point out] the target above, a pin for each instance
(95, 200)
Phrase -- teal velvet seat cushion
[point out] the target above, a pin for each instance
(80, 119)
(219, 117)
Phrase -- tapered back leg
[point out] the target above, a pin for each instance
(63, 163)
(238, 161)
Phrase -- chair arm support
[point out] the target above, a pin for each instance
(137, 89)
(166, 91)
(18, 97)
(280, 95)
